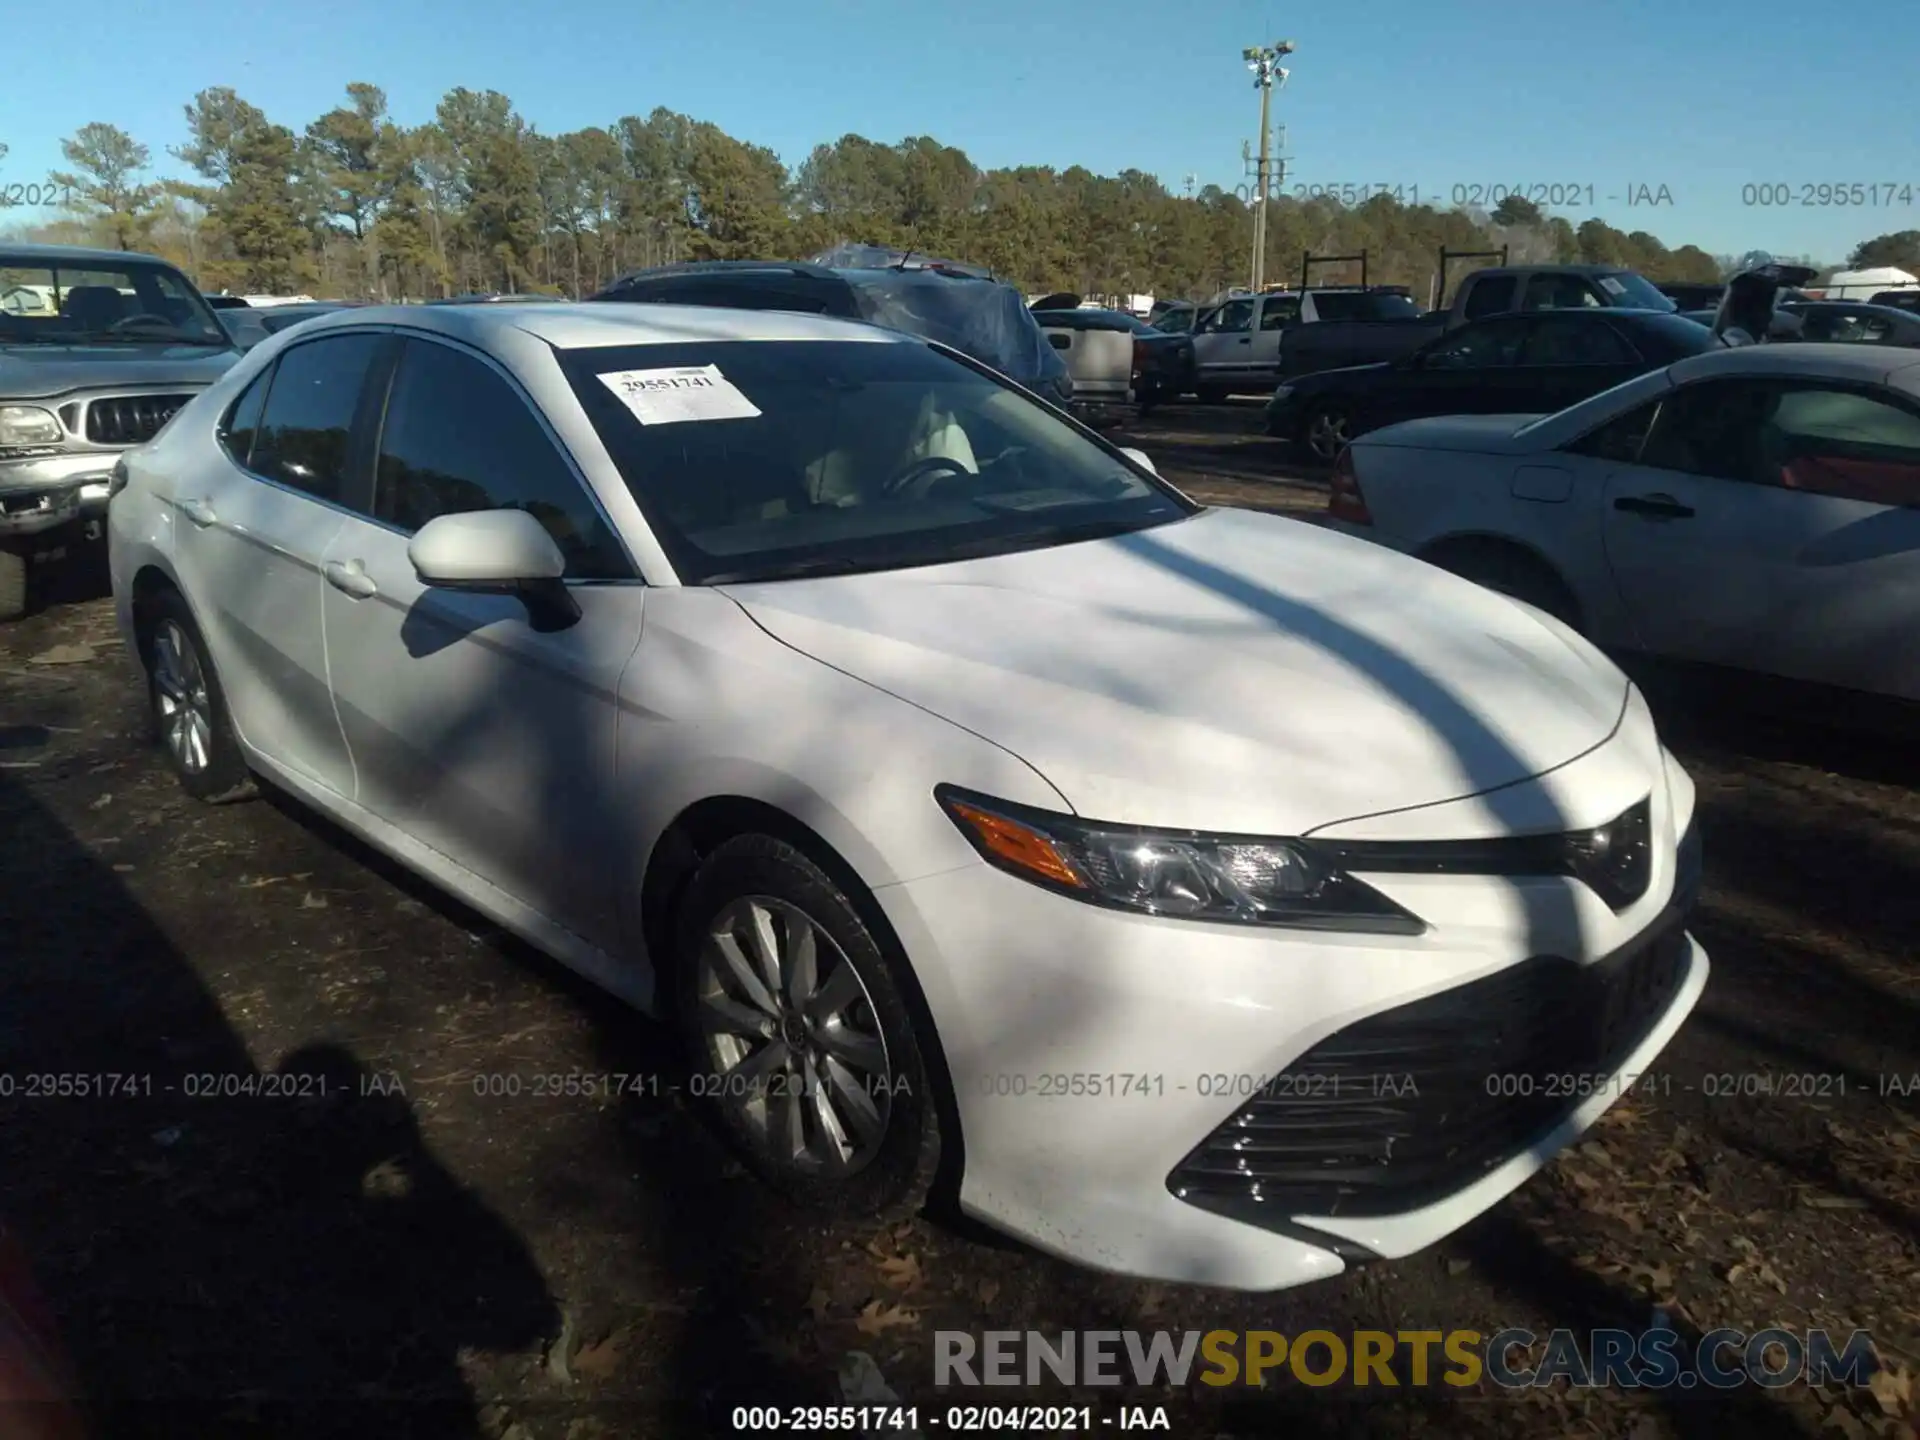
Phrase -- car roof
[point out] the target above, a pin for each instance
(1867, 363)
(11, 254)
(570, 326)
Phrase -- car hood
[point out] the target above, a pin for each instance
(36, 372)
(1232, 672)
(1484, 434)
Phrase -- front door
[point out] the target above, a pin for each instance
(478, 735)
(1468, 371)
(1223, 344)
(1775, 526)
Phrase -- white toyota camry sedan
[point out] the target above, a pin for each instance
(1210, 896)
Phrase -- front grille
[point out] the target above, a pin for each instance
(130, 419)
(1408, 1106)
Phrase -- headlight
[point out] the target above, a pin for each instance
(1616, 860)
(1282, 393)
(1230, 879)
(117, 478)
(22, 425)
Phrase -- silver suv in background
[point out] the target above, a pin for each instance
(98, 349)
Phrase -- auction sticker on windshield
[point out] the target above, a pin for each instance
(679, 392)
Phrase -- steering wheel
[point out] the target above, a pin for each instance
(928, 471)
(127, 322)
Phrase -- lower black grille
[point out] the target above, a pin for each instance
(1405, 1107)
(130, 419)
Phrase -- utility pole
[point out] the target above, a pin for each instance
(1264, 62)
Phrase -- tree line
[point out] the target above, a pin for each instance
(357, 205)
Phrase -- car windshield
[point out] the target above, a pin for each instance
(766, 460)
(95, 302)
(1629, 289)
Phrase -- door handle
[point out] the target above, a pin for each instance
(199, 512)
(1245, 340)
(1654, 507)
(350, 577)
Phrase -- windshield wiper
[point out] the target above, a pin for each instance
(795, 569)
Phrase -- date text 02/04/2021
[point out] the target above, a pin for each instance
(958, 1419)
(1487, 194)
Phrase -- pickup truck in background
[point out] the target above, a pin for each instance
(1252, 343)
(1116, 359)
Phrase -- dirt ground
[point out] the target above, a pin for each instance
(325, 1199)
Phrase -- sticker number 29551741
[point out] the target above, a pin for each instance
(679, 393)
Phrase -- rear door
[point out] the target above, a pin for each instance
(252, 533)
(1469, 371)
(1274, 318)
(1774, 525)
(1566, 358)
(479, 736)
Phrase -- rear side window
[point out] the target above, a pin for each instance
(1280, 311)
(1562, 340)
(1492, 296)
(1560, 292)
(1844, 444)
(458, 437)
(304, 430)
(243, 418)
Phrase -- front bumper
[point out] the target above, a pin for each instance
(1096, 1053)
(41, 495)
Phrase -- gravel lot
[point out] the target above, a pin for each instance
(416, 1255)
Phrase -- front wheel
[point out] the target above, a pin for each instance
(1326, 432)
(801, 1044)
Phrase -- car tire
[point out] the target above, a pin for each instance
(1325, 430)
(852, 1024)
(1515, 573)
(13, 584)
(187, 706)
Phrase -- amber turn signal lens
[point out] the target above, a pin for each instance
(1018, 845)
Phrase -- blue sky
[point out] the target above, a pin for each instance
(1702, 98)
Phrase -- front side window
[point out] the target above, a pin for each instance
(1233, 318)
(763, 460)
(1621, 438)
(458, 437)
(100, 303)
(304, 429)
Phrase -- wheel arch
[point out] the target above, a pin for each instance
(1495, 549)
(702, 827)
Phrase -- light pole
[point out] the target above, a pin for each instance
(1264, 62)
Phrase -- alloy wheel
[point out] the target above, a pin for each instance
(1327, 434)
(792, 1037)
(180, 698)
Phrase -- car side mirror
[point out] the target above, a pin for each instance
(497, 552)
(1140, 458)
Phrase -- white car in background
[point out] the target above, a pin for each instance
(1224, 900)
(1755, 508)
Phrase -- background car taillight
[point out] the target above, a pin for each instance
(1344, 500)
(1139, 358)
